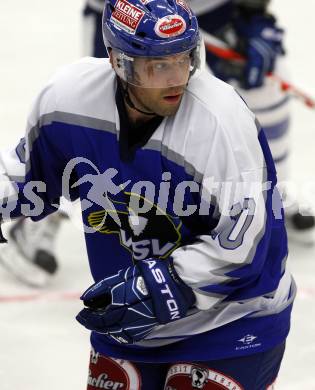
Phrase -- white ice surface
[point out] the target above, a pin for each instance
(41, 345)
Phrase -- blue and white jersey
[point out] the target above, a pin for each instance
(199, 186)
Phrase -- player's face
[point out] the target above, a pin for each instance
(162, 101)
(154, 84)
(161, 82)
(153, 72)
(161, 72)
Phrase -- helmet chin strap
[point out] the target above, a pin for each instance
(130, 102)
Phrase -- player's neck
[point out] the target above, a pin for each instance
(135, 116)
(136, 112)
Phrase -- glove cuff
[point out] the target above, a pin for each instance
(171, 297)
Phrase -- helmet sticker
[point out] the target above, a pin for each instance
(170, 26)
(126, 16)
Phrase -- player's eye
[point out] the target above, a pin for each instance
(160, 66)
(184, 60)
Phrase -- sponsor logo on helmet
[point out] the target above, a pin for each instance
(126, 16)
(170, 26)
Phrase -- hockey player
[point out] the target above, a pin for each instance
(240, 23)
(247, 27)
(183, 221)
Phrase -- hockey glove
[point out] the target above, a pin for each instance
(128, 305)
(262, 41)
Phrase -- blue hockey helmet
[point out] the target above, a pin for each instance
(149, 29)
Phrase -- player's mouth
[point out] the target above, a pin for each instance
(173, 98)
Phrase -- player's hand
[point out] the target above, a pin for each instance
(262, 41)
(128, 305)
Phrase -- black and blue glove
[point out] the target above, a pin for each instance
(262, 41)
(127, 306)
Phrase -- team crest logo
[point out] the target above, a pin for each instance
(147, 233)
(170, 26)
(199, 377)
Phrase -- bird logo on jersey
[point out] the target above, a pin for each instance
(148, 233)
(144, 228)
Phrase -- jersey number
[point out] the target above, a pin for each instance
(242, 217)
